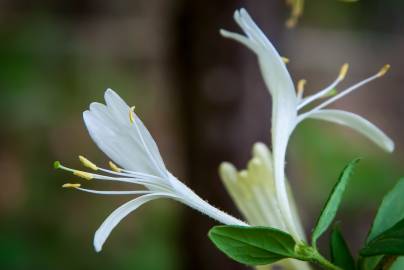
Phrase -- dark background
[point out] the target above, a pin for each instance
(203, 99)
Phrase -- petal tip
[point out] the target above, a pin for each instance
(109, 90)
(109, 93)
(97, 242)
(86, 115)
(390, 147)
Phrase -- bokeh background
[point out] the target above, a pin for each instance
(204, 101)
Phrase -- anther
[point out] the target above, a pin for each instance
(300, 87)
(85, 175)
(285, 60)
(114, 167)
(69, 185)
(131, 114)
(343, 71)
(88, 163)
(383, 70)
(297, 10)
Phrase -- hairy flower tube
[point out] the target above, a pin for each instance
(287, 104)
(121, 135)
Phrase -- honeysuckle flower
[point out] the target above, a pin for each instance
(121, 135)
(287, 106)
(253, 191)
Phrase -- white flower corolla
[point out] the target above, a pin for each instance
(121, 135)
(286, 104)
(253, 191)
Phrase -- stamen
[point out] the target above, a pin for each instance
(131, 114)
(285, 60)
(343, 71)
(300, 87)
(108, 192)
(297, 11)
(114, 167)
(328, 91)
(69, 185)
(85, 175)
(88, 163)
(128, 176)
(331, 93)
(383, 70)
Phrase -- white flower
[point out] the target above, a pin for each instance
(121, 135)
(287, 105)
(253, 191)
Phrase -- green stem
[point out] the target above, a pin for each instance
(319, 259)
(311, 254)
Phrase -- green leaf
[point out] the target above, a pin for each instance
(390, 242)
(253, 245)
(390, 211)
(398, 264)
(369, 263)
(340, 254)
(334, 200)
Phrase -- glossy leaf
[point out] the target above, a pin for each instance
(334, 200)
(398, 264)
(340, 254)
(253, 245)
(390, 211)
(390, 242)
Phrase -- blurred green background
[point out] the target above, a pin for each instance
(203, 100)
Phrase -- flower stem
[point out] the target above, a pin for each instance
(311, 254)
(326, 264)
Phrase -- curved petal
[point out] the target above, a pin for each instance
(129, 145)
(357, 123)
(273, 68)
(284, 105)
(120, 213)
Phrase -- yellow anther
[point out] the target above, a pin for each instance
(343, 71)
(132, 114)
(297, 11)
(383, 70)
(85, 175)
(114, 167)
(88, 163)
(69, 185)
(300, 87)
(285, 60)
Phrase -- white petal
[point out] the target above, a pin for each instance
(113, 219)
(117, 144)
(129, 145)
(357, 123)
(274, 70)
(284, 106)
